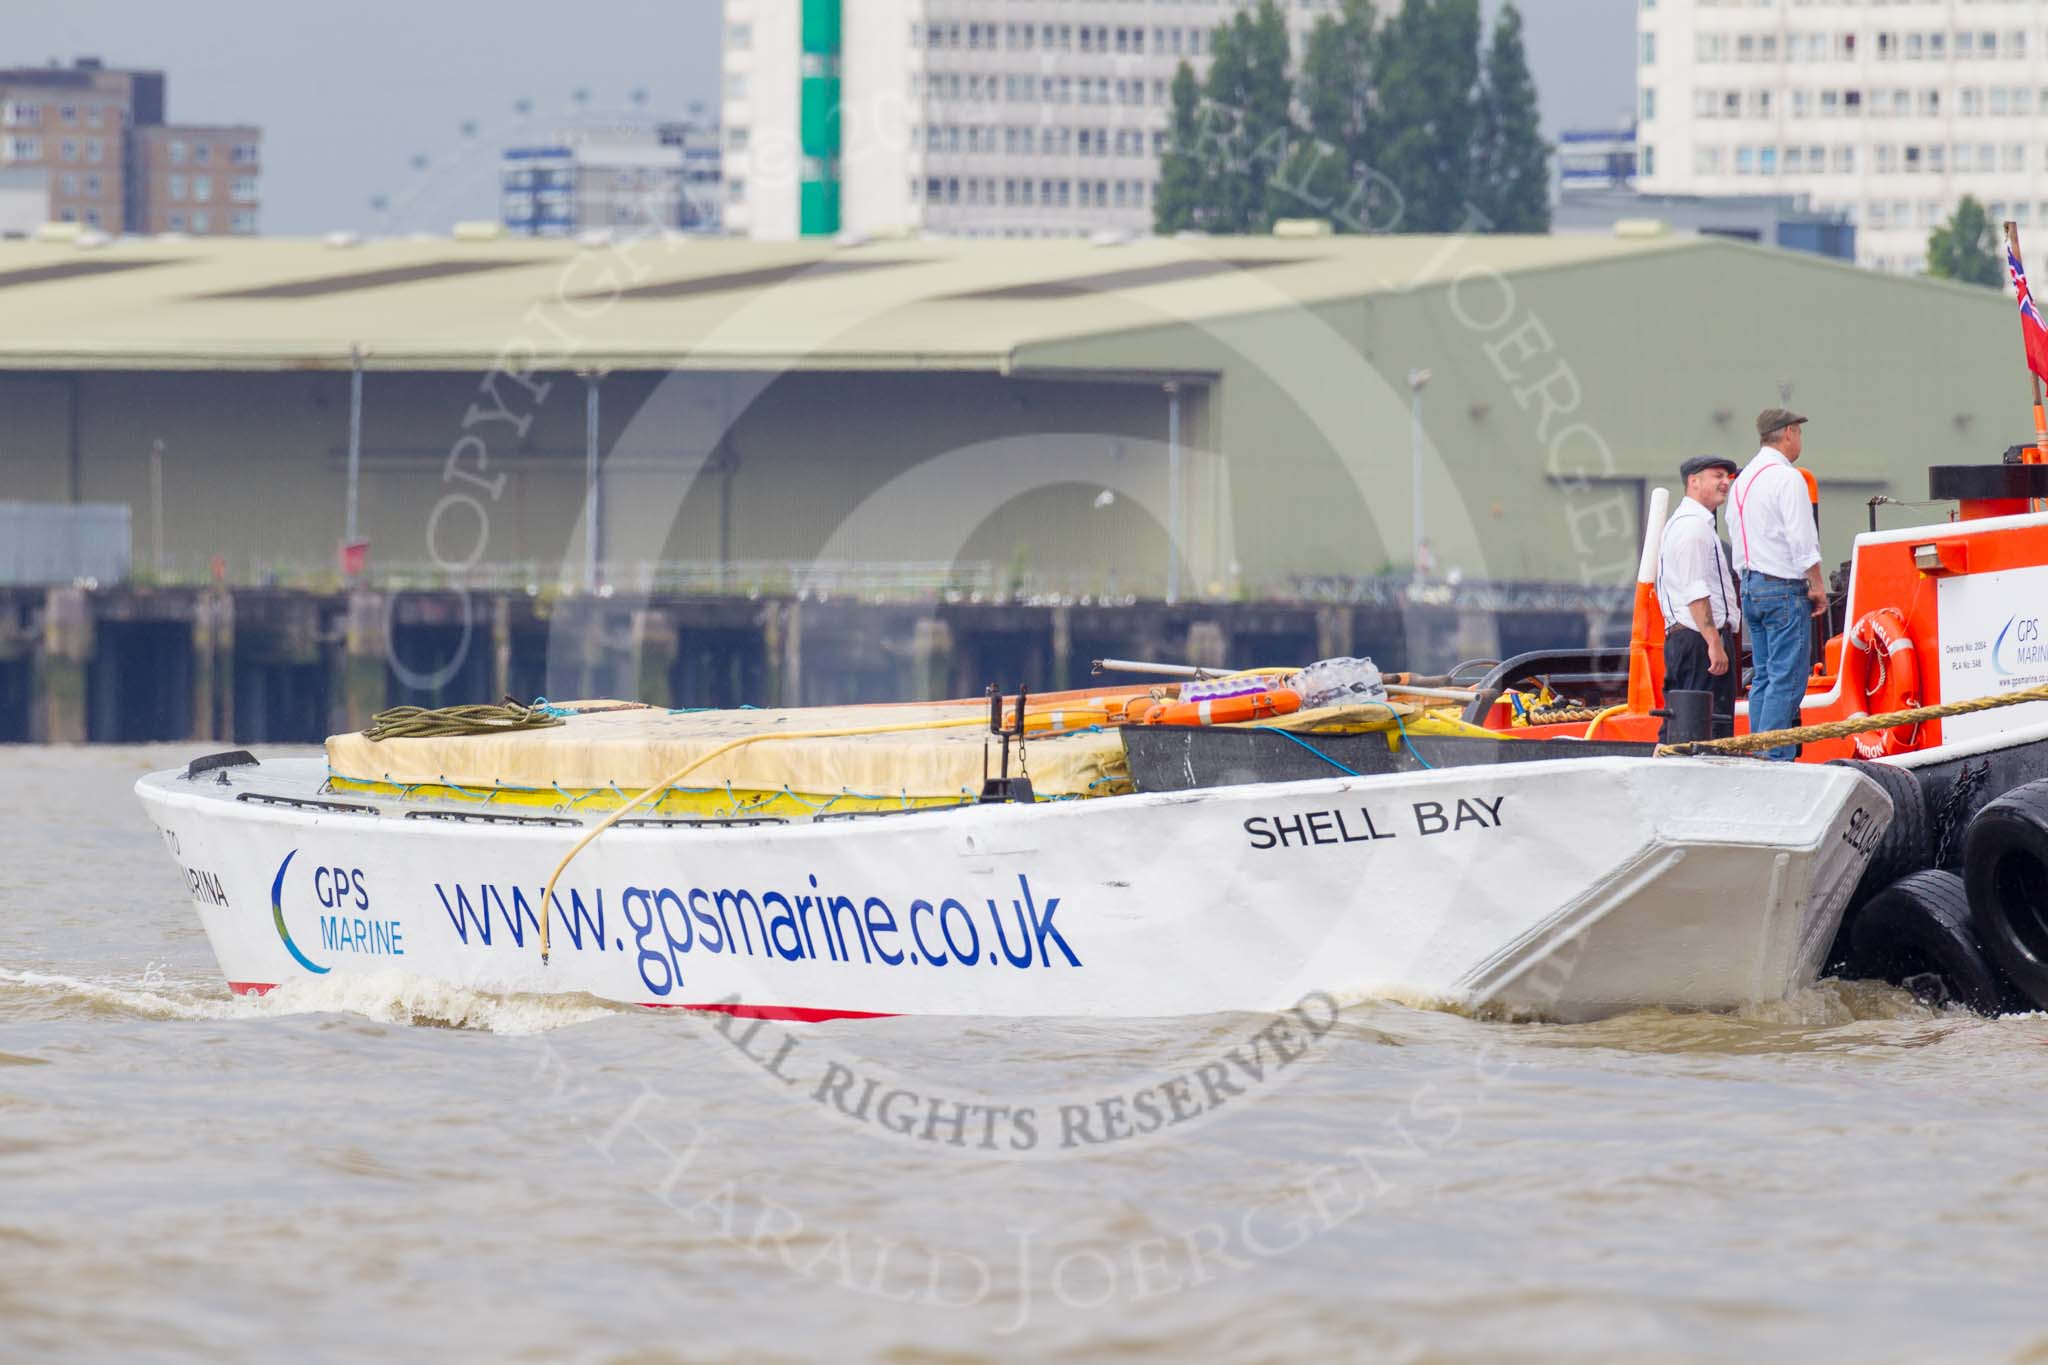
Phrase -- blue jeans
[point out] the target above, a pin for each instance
(1779, 618)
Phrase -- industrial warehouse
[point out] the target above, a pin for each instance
(679, 435)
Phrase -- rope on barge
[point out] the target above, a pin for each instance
(1854, 725)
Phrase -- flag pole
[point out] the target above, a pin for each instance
(2039, 455)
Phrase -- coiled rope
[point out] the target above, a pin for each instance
(1854, 725)
(418, 722)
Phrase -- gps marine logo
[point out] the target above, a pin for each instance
(2020, 643)
(340, 891)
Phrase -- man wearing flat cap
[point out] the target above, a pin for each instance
(1697, 593)
(1776, 548)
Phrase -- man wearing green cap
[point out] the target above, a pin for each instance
(1776, 549)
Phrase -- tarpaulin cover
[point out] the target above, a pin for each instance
(633, 748)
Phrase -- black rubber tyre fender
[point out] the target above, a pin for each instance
(2005, 868)
(1905, 848)
(1920, 927)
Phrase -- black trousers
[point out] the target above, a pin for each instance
(1685, 667)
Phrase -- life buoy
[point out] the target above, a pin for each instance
(1278, 701)
(1891, 679)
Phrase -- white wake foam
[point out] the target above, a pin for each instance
(390, 997)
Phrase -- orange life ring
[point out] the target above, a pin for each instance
(1279, 701)
(1890, 679)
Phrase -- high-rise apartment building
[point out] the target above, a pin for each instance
(996, 118)
(111, 162)
(1889, 113)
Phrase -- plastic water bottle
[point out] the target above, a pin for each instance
(1340, 682)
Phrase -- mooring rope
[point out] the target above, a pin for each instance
(418, 722)
(1854, 725)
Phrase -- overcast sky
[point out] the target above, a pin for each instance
(349, 95)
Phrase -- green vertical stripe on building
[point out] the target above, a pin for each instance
(818, 208)
(818, 120)
(821, 26)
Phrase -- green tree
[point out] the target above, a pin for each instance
(1965, 248)
(1333, 172)
(1250, 119)
(1427, 77)
(1182, 197)
(1511, 161)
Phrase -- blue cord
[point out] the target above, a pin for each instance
(1407, 741)
(1288, 735)
(1353, 772)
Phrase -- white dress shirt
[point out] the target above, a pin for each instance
(1691, 565)
(1770, 519)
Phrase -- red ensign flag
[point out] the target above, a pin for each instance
(2031, 326)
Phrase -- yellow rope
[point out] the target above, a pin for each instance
(1594, 724)
(1855, 725)
(417, 722)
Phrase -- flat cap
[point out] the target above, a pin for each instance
(1775, 419)
(1699, 464)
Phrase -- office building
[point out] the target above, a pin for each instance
(1888, 113)
(659, 176)
(978, 118)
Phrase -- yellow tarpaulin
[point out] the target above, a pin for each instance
(633, 748)
(606, 751)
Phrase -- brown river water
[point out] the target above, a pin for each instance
(397, 1169)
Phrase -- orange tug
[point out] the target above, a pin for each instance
(1889, 657)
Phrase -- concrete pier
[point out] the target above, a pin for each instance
(264, 665)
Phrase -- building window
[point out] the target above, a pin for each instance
(92, 216)
(243, 224)
(177, 186)
(1649, 103)
(244, 153)
(202, 153)
(177, 221)
(1649, 161)
(67, 150)
(92, 184)
(202, 222)
(1649, 49)
(69, 184)
(739, 37)
(736, 190)
(93, 150)
(178, 153)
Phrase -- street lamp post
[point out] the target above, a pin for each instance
(1418, 380)
(156, 504)
(355, 441)
(1172, 491)
(593, 488)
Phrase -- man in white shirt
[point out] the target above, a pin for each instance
(1697, 592)
(1776, 548)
